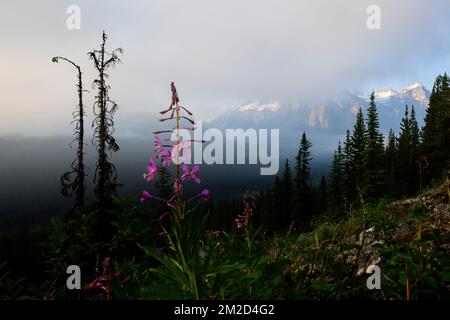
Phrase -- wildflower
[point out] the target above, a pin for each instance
(241, 221)
(145, 196)
(152, 170)
(105, 282)
(204, 194)
(191, 173)
(158, 144)
(166, 158)
(178, 152)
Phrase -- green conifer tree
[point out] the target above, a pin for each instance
(373, 155)
(391, 162)
(302, 204)
(322, 196)
(436, 133)
(356, 152)
(286, 195)
(336, 192)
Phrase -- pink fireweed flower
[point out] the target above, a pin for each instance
(152, 170)
(204, 195)
(177, 150)
(191, 173)
(242, 220)
(166, 158)
(158, 144)
(145, 196)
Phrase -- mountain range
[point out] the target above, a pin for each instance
(325, 122)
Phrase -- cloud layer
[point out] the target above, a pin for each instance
(221, 54)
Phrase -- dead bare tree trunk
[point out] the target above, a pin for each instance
(105, 177)
(74, 180)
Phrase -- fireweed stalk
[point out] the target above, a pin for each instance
(180, 261)
(177, 152)
(243, 222)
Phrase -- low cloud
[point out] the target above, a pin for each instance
(221, 54)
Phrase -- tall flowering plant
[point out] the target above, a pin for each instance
(181, 262)
(243, 221)
(174, 150)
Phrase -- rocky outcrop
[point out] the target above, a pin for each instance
(433, 215)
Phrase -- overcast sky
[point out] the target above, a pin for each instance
(221, 54)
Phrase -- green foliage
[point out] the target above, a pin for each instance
(406, 170)
(188, 264)
(322, 196)
(192, 263)
(74, 242)
(436, 134)
(373, 155)
(10, 289)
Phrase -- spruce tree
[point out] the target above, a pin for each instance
(415, 150)
(415, 131)
(336, 193)
(348, 187)
(268, 218)
(403, 176)
(322, 196)
(272, 219)
(356, 152)
(436, 135)
(286, 195)
(373, 155)
(390, 163)
(302, 204)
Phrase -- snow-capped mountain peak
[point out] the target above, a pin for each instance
(273, 106)
(411, 94)
(384, 93)
(412, 86)
(326, 119)
(417, 92)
